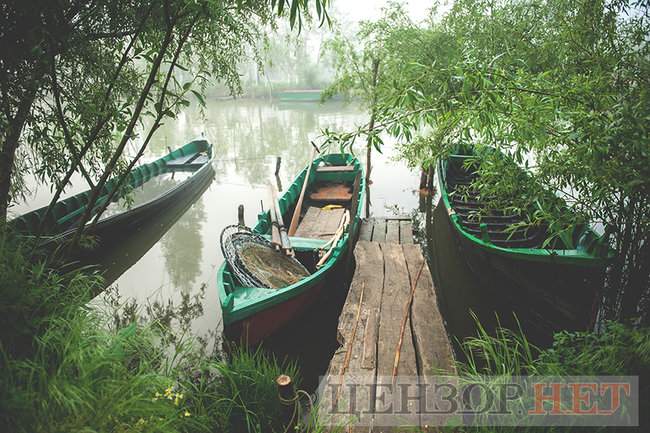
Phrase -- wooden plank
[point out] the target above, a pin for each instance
(395, 296)
(319, 223)
(308, 223)
(329, 221)
(379, 232)
(358, 311)
(392, 231)
(335, 168)
(365, 234)
(369, 358)
(332, 193)
(405, 232)
(433, 348)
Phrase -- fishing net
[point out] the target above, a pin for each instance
(255, 262)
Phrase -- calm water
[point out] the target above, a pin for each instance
(178, 255)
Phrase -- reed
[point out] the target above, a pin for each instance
(62, 369)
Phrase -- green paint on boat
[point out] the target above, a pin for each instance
(584, 247)
(66, 213)
(238, 302)
(298, 95)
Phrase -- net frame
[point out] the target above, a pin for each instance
(232, 239)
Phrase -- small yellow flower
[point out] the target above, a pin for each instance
(187, 413)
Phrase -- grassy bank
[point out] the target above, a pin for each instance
(616, 350)
(63, 369)
(67, 368)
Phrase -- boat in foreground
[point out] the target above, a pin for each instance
(195, 157)
(560, 278)
(331, 204)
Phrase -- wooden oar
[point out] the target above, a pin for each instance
(285, 243)
(296, 213)
(276, 240)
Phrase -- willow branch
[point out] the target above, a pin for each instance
(156, 124)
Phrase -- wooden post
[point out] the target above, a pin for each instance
(240, 215)
(287, 396)
(354, 225)
(423, 179)
(371, 127)
(278, 162)
(278, 181)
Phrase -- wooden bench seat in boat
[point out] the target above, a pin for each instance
(335, 168)
(319, 223)
(332, 193)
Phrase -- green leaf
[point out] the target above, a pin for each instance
(199, 97)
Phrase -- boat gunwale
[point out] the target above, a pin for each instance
(197, 172)
(249, 307)
(560, 256)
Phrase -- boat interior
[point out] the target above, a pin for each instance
(478, 219)
(327, 198)
(496, 225)
(66, 213)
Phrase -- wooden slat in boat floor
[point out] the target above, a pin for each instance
(370, 326)
(332, 193)
(319, 223)
(398, 230)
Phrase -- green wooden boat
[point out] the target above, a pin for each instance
(63, 221)
(560, 278)
(253, 313)
(309, 95)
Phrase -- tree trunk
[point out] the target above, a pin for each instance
(154, 127)
(371, 127)
(142, 100)
(10, 145)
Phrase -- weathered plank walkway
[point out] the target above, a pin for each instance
(382, 316)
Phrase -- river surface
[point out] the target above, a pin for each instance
(163, 264)
(175, 258)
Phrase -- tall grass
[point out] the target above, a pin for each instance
(617, 350)
(62, 369)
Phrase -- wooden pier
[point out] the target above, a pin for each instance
(389, 325)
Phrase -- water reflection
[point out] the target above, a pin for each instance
(183, 246)
(247, 135)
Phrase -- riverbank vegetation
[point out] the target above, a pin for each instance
(559, 86)
(66, 367)
(81, 83)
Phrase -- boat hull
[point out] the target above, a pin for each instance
(556, 288)
(139, 235)
(66, 214)
(252, 330)
(557, 296)
(125, 222)
(250, 314)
